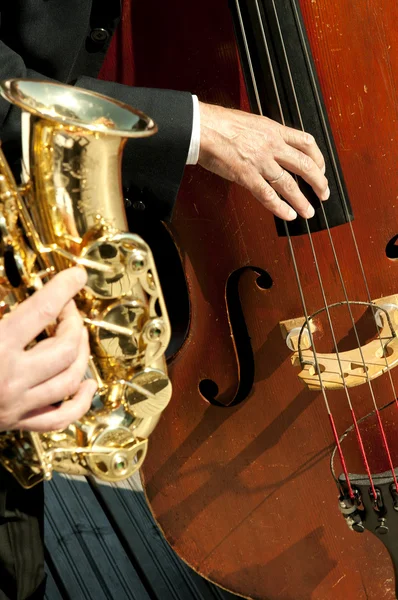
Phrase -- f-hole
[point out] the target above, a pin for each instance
(392, 248)
(209, 388)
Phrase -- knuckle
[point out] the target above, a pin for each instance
(69, 353)
(9, 391)
(306, 163)
(309, 139)
(242, 176)
(273, 141)
(9, 403)
(289, 185)
(6, 418)
(241, 170)
(71, 385)
(47, 311)
(284, 134)
(267, 193)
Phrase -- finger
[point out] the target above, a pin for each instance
(288, 188)
(62, 385)
(299, 163)
(69, 311)
(33, 315)
(267, 195)
(301, 140)
(53, 418)
(53, 355)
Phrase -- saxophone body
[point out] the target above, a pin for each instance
(70, 210)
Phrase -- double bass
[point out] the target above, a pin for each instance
(273, 471)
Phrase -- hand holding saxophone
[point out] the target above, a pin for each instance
(72, 212)
(32, 380)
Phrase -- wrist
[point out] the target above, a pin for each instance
(211, 136)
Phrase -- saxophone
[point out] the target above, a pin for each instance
(69, 210)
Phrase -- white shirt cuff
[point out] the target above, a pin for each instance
(194, 146)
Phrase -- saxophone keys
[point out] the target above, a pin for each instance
(148, 393)
(116, 454)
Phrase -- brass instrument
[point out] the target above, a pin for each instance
(70, 211)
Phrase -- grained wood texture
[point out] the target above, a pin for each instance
(244, 494)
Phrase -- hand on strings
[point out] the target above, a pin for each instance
(32, 380)
(257, 153)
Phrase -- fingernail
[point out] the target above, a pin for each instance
(326, 194)
(291, 214)
(310, 212)
(323, 169)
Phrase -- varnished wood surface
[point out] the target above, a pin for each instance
(244, 494)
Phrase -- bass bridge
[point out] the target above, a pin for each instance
(352, 367)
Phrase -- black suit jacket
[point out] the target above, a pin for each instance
(66, 40)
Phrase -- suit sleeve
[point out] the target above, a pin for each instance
(152, 167)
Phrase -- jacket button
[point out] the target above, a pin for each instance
(139, 205)
(99, 35)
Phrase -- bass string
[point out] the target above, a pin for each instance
(388, 368)
(324, 213)
(318, 272)
(360, 261)
(293, 255)
(320, 279)
(380, 424)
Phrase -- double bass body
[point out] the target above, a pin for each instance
(238, 473)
